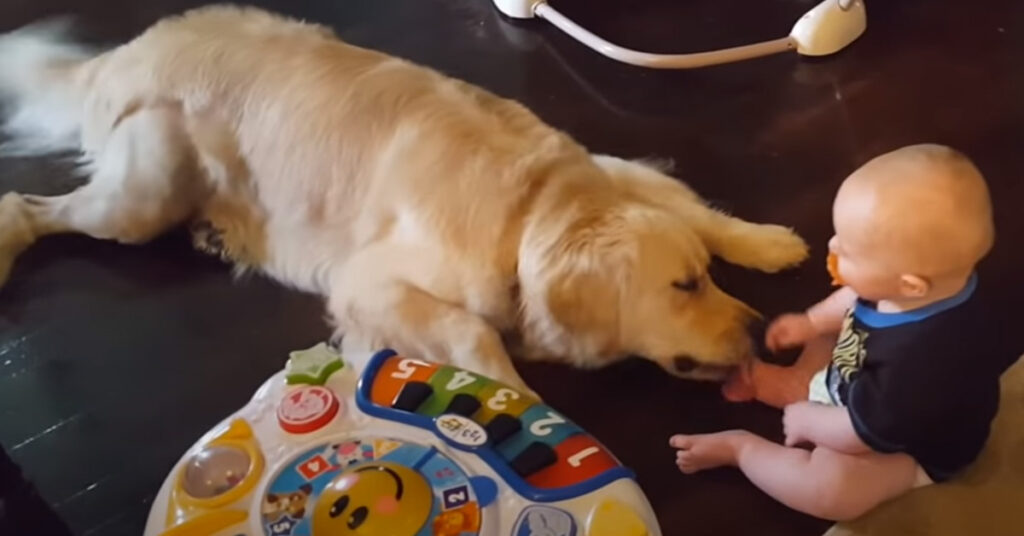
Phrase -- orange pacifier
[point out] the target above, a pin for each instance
(832, 264)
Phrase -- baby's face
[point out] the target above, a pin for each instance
(910, 223)
(861, 272)
(863, 265)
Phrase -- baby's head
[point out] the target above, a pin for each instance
(911, 224)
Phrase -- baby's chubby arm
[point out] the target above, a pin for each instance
(823, 318)
(825, 426)
(778, 386)
(828, 314)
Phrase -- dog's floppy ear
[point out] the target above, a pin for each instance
(584, 303)
(765, 247)
(571, 281)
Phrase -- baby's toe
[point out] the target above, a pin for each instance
(681, 441)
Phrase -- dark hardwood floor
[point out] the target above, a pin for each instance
(113, 360)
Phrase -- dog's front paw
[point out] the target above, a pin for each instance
(208, 239)
(778, 248)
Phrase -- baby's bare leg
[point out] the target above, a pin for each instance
(823, 483)
(779, 386)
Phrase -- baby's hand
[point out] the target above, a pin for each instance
(796, 422)
(789, 331)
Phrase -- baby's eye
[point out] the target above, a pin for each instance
(687, 285)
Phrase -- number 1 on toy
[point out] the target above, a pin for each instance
(577, 459)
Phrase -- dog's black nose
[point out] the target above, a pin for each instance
(684, 363)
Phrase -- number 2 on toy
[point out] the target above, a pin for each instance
(542, 427)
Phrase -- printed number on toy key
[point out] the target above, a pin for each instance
(460, 380)
(406, 368)
(577, 459)
(542, 427)
(500, 400)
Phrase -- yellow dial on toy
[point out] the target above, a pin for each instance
(373, 499)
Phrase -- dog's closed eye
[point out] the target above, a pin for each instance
(687, 285)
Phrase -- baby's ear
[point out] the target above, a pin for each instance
(913, 286)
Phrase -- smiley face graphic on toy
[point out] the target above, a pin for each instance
(373, 499)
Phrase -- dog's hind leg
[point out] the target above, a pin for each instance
(146, 180)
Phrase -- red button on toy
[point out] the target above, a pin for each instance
(307, 409)
(580, 458)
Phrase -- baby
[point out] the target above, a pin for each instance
(906, 394)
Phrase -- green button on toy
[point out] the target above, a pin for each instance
(312, 366)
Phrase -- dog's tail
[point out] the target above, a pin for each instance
(41, 89)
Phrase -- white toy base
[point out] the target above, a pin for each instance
(406, 448)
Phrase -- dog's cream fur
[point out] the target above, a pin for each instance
(434, 216)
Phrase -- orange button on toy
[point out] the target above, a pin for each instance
(307, 409)
(394, 374)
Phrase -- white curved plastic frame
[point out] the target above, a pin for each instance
(824, 30)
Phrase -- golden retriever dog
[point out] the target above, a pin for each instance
(434, 217)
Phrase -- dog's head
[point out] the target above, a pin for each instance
(628, 275)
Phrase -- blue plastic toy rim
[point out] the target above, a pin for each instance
(487, 454)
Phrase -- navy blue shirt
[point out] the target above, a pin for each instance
(922, 382)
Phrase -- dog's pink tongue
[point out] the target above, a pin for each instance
(739, 388)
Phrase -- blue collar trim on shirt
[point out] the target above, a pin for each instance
(873, 318)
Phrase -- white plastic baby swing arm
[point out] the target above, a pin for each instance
(826, 29)
(660, 61)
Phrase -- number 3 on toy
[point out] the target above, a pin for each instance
(500, 400)
(406, 368)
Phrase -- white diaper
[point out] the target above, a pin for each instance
(817, 389)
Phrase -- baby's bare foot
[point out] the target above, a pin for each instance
(780, 386)
(707, 451)
(773, 385)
